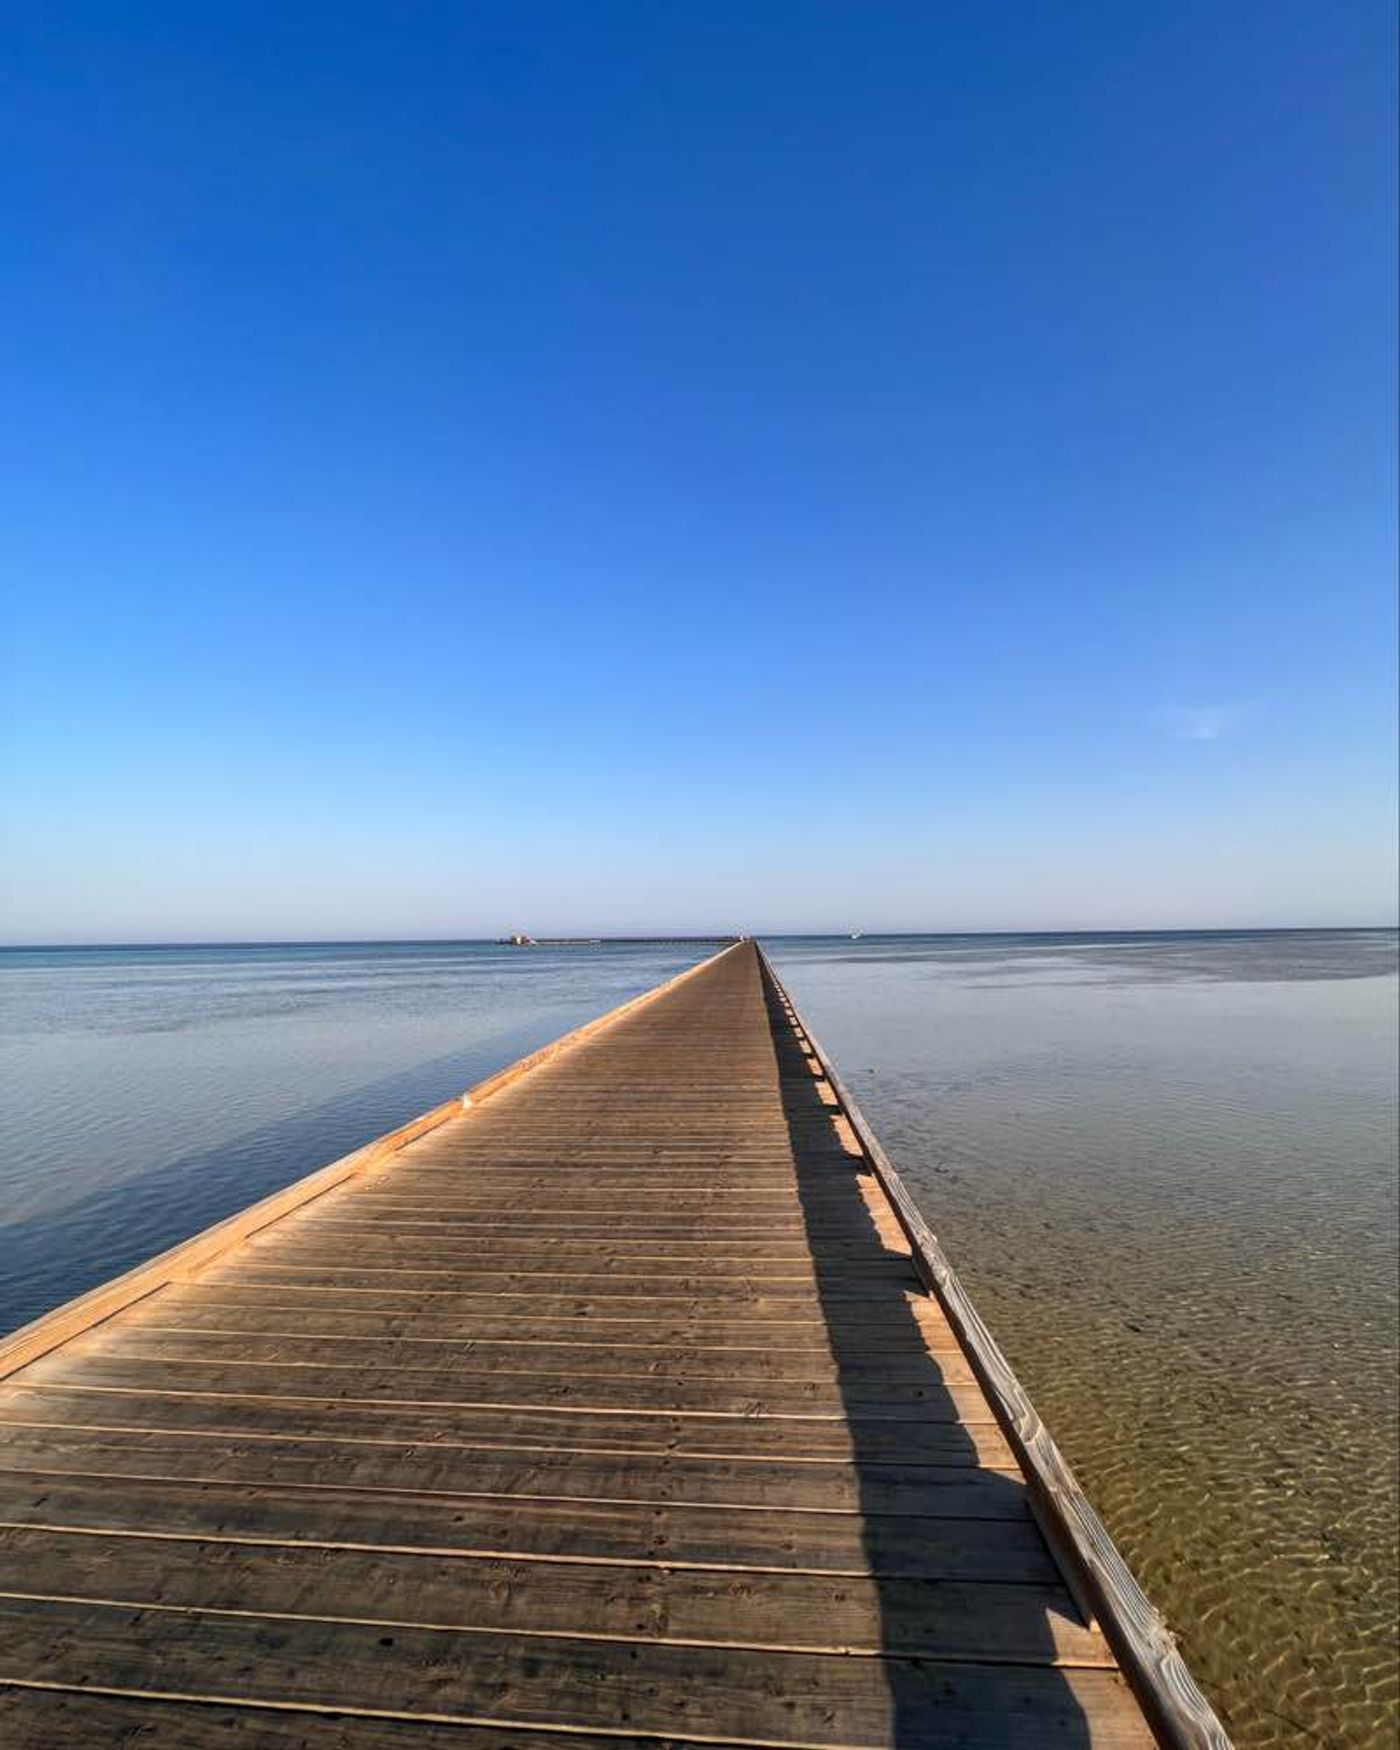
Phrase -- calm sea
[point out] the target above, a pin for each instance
(1165, 1165)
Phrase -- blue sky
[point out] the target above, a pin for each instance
(646, 466)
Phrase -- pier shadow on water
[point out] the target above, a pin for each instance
(904, 1466)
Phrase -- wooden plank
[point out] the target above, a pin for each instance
(543, 1190)
(757, 1311)
(532, 1248)
(428, 1233)
(1017, 1623)
(469, 1369)
(787, 1225)
(660, 1172)
(905, 1492)
(600, 1285)
(175, 1365)
(910, 1314)
(572, 1428)
(583, 1525)
(615, 1261)
(215, 1306)
(734, 1695)
(474, 1275)
(366, 1340)
(623, 1182)
(547, 1212)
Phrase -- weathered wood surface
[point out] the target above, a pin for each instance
(612, 1410)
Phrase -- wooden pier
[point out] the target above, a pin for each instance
(626, 1399)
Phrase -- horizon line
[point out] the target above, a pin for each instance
(697, 938)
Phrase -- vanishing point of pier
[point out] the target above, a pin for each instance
(625, 1399)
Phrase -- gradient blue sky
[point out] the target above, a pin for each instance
(651, 465)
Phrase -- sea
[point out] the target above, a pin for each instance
(1165, 1165)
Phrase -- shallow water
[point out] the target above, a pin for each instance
(145, 1093)
(1166, 1169)
(1164, 1164)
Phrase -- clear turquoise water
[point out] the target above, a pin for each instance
(1166, 1166)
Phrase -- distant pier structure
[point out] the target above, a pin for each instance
(518, 940)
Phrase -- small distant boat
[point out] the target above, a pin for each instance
(855, 935)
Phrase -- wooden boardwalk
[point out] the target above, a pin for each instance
(612, 1408)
